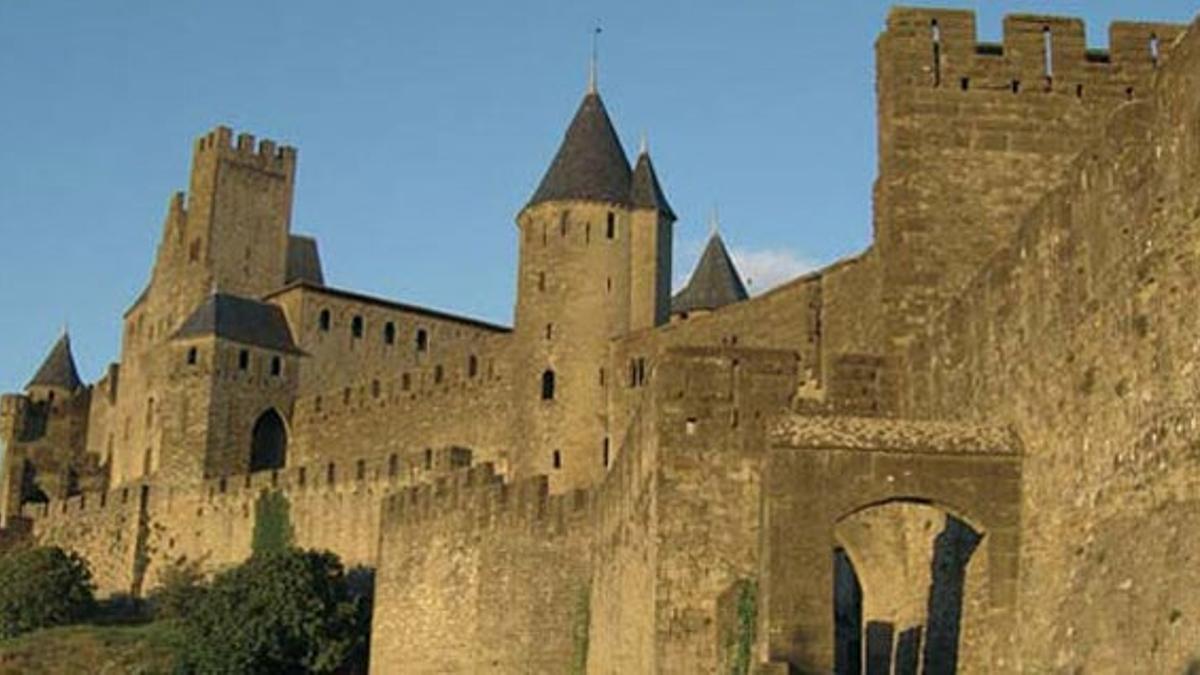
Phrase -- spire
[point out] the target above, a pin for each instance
(593, 66)
(58, 370)
(643, 145)
(714, 283)
(645, 191)
(590, 164)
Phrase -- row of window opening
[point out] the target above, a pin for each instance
(243, 361)
(358, 329)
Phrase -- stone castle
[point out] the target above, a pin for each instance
(973, 446)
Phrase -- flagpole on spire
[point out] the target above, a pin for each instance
(592, 67)
(643, 145)
(714, 222)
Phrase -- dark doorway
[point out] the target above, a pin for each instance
(268, 445)
(847, 616)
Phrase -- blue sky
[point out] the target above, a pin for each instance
(422, 128)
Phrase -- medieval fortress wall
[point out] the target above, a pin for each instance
(972, 444)
(1081, 332)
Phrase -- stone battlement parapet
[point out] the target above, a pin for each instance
(89, 502)
(265, 155)
(1134, 47)
(482, 498)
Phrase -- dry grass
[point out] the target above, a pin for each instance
(144, 649)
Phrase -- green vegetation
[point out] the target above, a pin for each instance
(181, 589)
(41, 587)
(741, 641)
(272, 524)
(287, 611)
(282, 612)
(580, 635)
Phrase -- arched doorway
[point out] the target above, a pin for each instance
(906, 615)
(268, 442)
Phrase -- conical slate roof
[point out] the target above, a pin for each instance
(58, 370)
(646, 191)
(242, 320)
(590, 163)
(714, 283)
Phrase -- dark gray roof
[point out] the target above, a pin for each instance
(714, 283)
(646, 191)
(58, 370)
(303, 261)
(241, 320)
(590, 163)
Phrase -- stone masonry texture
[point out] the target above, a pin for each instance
(972, 447)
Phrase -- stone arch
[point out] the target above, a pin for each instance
(975, 486)
(268, 442)
(910, 560)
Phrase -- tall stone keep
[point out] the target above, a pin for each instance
(595, 252)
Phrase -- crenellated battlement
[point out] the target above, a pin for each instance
(940, 48)
(484, 499)
(87, 503)
(265, 154)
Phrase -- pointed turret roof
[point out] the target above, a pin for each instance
(58, 370)
(714, 283)
(646, 192)
(590, 163)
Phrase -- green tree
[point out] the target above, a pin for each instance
(43, 586)
(280, 612)
(272, 523)
(181, 590)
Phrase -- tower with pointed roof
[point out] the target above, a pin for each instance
(595, 264)
(714, 283)
(57, 377)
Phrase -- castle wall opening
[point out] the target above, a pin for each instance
(901, 566)
(268, 444)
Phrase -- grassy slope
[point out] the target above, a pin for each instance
(135, 650)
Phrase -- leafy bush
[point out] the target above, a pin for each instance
(181, 590)
(43, 586)
(272, 524)
(279, 612)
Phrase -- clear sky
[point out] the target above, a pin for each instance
(422, 128)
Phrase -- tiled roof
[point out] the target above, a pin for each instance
(646, 192)
(590, 163)
(303, 261)
(241, 320)
(58, 370)
(714, 283)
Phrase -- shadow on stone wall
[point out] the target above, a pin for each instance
(847, 616)
(952, 551)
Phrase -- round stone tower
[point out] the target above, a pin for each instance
(595, 250)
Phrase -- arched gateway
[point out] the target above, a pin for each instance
(268, 442)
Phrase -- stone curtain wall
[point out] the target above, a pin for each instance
(477, 575)
(1082, 333)
(972, 135)
(131, 535)
(105, 528)
(480, 575)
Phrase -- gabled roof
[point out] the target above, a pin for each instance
(303, 261)
(646, 192)
(590, 163)
(715, 282)
(241, 320)
(58, 369)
